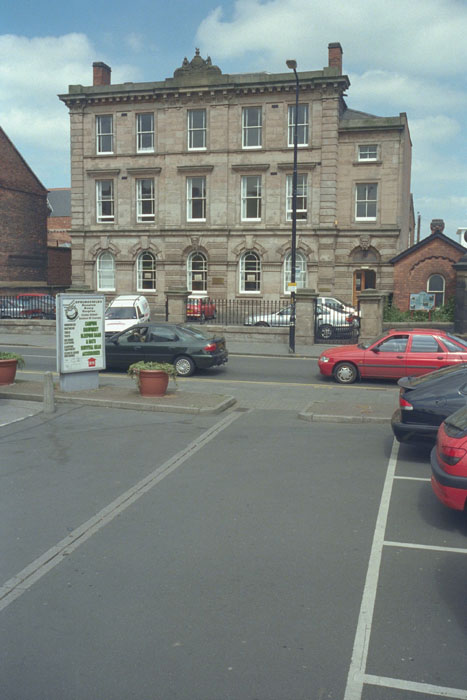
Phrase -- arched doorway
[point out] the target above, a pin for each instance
(362, 279)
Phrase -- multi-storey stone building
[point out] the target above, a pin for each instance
(189, 181)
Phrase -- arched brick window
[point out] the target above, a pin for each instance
(436, 285)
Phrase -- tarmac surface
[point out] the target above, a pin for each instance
(25, 398)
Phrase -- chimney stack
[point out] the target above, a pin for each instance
(101, 73)
(437, 226)
(335, 56)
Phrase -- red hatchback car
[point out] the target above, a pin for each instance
(449, 461)
(393, 355)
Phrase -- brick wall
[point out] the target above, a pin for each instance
(411, 273)
(23, 218)
(59, 267)
(23, 236)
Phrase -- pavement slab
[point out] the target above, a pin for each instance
(108, 395)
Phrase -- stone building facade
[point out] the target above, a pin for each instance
(23, 223)
(188, 181)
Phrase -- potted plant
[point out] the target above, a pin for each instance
(9, 362)
(152, 377)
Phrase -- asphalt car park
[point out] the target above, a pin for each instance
(222, 557)
(410, 641)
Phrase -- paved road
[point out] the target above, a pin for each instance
(251, 556)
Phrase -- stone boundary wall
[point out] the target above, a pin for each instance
(238, 333)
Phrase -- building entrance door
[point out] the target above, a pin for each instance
(362, 279)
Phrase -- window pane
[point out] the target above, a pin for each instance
(196, 198)
(425, 343)
(197, 128)
(106, 271)
(250, 270)
(104, 129)
(252, 122)
(368, 152)
(146, 271)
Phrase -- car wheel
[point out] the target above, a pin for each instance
(325, 332)
(345, 373)
(184, 366)
(262, 323)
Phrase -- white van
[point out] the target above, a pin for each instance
(124, 311)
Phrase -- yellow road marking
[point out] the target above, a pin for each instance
(241, 381)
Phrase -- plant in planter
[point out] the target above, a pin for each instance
(9, 362)
(152, 377)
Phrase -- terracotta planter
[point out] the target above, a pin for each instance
(7, 371)
(153, 382)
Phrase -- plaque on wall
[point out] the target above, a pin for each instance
(218, 281)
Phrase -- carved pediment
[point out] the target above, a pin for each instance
(195, 66)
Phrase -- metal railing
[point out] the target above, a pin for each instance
(27, 306)
(240, 312)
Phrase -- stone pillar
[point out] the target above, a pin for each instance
(460, 308)
(176, 299)
(305, 316)
(371, 314)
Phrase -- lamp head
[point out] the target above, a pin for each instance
(291, 63)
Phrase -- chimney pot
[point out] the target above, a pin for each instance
(101, 73)
(335, 56)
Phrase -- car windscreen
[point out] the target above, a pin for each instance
(437, 374)
(120, 312)
(364, 346)
(460, 341)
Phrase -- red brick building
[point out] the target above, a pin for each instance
(58, 237)
(23, 222)
(427, 266)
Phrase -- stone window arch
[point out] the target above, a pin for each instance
(250, 273)
(197, 272)
(300, 271)
(146, 272)
(106, 272)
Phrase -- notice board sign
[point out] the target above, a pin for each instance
(422, 301)
(80, 333)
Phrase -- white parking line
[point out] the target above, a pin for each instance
(412, 478)
(22, 581)
(426, 688)
(355, 678)
(432, 548)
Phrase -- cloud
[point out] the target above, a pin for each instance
(389, 90)
(420, 35)
(135, 42)
(32, 72)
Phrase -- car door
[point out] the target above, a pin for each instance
(386, 358)
(162, 344)
(126, 348)
(425, 354)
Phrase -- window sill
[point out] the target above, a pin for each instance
(368, 162)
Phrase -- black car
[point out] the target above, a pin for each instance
(186, 347)
(425, 401)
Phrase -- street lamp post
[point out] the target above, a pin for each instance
(292, 64)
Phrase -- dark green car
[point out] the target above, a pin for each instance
(184, 346)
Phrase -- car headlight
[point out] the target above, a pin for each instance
(323, 358)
